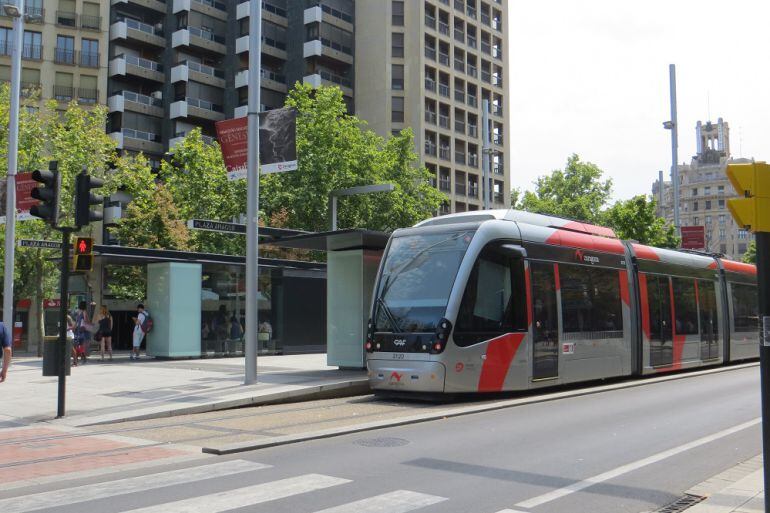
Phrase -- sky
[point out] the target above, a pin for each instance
(591, 77)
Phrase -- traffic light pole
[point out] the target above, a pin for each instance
(763, 281)
(62, 351)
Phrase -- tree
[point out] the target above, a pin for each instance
(577, 192)
(635, 219)
(335, 151)
(750, 257)
(196, 180)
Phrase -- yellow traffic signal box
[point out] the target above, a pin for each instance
(752, 181)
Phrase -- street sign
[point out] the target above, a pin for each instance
(693, 237)
(215, 226)
(40, 244)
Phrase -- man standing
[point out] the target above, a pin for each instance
(138, 331)
(5, 341)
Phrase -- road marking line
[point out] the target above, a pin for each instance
(399, 501)
(630, 467)
(248, 496)
(510, 511)
(58, 498)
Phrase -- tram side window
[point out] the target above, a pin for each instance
(591, 300)
(745, 307)
(659, 303)
(494, 301)
(685, 306)
(707, 300)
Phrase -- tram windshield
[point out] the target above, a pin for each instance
(416, 280)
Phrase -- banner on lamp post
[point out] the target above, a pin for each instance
(277, 142)
(24, 200)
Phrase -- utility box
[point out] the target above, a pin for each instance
(52, 359)
(174, 302)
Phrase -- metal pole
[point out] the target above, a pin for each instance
(660, 193)
(62, 346)
(333, 211)
(763, 280)
(486, 150)
(13, 162)
(252, 195)
(674, 146)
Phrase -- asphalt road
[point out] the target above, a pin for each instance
(632, 450)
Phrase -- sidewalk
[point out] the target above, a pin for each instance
(121, 390)
(737, 490)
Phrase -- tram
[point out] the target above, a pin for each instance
(507, 300)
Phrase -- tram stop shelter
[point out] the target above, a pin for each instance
(353, 257)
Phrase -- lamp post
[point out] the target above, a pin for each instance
(15, 12)
(674, 127)
(363, 189)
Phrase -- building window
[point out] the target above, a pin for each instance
(397, 77)
(694, 206)
(721, 234)
(398, 13)
(695, 191)
(742, 234)
(721, 204)
(707, 191)
(89, 53)
(65, 50)
(397, 44)
(33, 46)
(708, 220)
(397, 109)
(695, 221)
(708, 204)
(722, 219)
(720, 189)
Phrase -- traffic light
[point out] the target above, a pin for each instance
(752, 181)
(47, 194)
(83, 260)
(84, 198)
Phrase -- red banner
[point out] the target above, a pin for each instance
(693, 237)
(233, 136)
(24, 186)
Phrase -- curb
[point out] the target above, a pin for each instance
(312, 393)
(457, 412)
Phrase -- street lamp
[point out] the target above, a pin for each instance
(363, 189)
(14, 12)
(674, 127)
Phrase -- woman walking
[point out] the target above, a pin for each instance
(105, 330)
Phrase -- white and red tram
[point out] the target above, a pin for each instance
(508, 300)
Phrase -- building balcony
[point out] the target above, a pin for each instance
(473, 101)
(158, 6)
(66, 19)
(444, 185)
(91, 22)
(430, 84)
(431, 149)
(473, 160)
(270, 13)
(324, 77)
(443, 58)
(445, 153)
(136, 31)
(188, 70)
(211, 8)
(134, 102)
(270, 47)
(430, 117)
(325, 14)
(443, 90)
(268, 80)
(460, 189)
(196, 108)
(179, 137)
(133, 66)
(443, 121)
(473, 190)
(241, 112)
(195, 37)
(137, 140)
(63, 93)
(473, 131)
(329, 49)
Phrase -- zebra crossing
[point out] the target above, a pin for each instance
(395, 501)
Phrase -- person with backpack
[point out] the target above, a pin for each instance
(83, 328)
(142, 325)
(5, 343)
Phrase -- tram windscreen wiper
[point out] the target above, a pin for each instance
(393, 322)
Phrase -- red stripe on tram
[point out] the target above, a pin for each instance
(623, 276)
(500, 353)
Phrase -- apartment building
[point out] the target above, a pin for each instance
(704, 190)
(177, 65)
(429, 64)
(64, 52)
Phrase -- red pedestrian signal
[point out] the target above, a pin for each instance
(83, 259)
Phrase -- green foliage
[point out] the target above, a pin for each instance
(196, 181)
(635, 219)
(577, 192)
(750, 257)
(335, 151)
